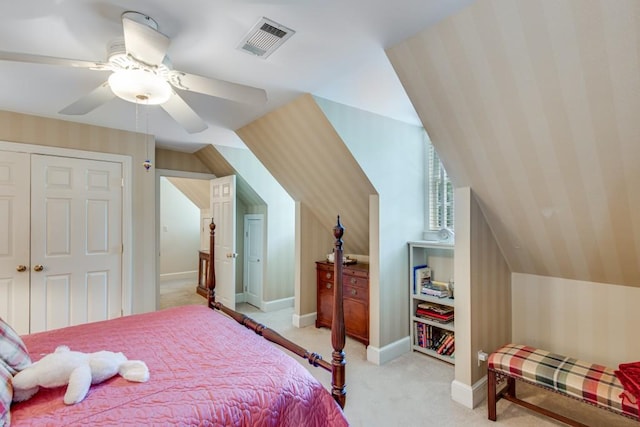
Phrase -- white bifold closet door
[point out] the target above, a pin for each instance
(60, 241)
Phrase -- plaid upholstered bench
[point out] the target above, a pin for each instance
(587, 382)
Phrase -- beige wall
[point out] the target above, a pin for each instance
(35, 130)
(179, 161)
(482, 290)
(534, 105)
(591, 321)
(313, 243)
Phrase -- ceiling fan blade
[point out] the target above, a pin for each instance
(217, 88)
(51, 60)
(91, 101)
(183, 114)
(144, 43)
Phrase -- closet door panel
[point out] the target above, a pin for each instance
(14, 239)
(77, 235)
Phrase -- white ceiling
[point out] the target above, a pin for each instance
(336, 53)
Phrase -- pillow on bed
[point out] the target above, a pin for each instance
(6, 394)
(13, 358)
(13, 352)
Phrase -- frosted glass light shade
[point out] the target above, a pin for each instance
(140, 86)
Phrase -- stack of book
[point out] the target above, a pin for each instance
(435, 339)
(435, 289)
(436, 312)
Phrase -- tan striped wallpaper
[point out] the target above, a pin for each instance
(534, 105)
(215, 162)
(196, 190)
(482, 289)
(302, 150)
(179, 161)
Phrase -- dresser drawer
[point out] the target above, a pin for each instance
(356, 292)
(355, 297)
(356, 282)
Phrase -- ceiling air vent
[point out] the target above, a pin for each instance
(265, 37)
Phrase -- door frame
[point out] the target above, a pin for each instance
(245, 267)
(169, 173)
(127, 202)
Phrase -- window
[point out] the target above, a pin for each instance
(439, 193)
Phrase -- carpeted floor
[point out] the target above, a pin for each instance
(411, 390)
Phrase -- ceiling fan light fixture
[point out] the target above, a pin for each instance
(140, 86)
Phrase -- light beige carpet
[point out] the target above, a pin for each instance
(413, 389)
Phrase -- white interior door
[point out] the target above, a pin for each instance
(76, 241)
(253, 258)
(14, 239)
(223, 210)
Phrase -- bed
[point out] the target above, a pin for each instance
(204, 370)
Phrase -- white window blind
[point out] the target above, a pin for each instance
(440, 193)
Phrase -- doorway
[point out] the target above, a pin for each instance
(179, 235)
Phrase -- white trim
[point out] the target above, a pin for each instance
(380, 356)
(469, 396)
(240, 298)
(277, 304)
(127, 202)
(180, 275)
(304, 320)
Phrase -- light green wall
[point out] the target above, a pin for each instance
(279, 221)
(391, 153)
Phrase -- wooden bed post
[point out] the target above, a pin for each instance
(338, 362)
(211, 271)
(337, 365)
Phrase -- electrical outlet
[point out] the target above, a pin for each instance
(482, 357)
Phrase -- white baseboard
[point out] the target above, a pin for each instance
(304, 320)
(181, 275)
(469, 396)
(240, 298)
(380, 356)
(276, 305)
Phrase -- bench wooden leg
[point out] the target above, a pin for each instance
(511, 386)
(491, 398)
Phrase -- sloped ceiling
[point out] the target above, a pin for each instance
(196, 190)
(304, 153)
(535, 104)
(220, 167)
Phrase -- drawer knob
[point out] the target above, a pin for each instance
(328, 275)
(329, 285)
(354, 292)
(353, 281)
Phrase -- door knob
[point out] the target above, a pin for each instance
(38, 267)
(21, 268)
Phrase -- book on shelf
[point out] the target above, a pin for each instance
(435, 289)
(446, 343)
(421, 274)
(436, 308)
(435, 312)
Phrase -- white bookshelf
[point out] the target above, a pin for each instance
(439, 257)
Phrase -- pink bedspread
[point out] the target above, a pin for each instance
(196, 376)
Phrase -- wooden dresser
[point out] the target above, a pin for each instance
(355, 298)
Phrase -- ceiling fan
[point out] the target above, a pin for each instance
(143, 74)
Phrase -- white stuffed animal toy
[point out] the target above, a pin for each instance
(78, 370)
